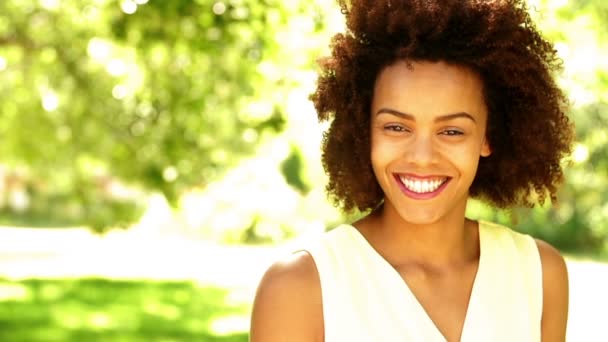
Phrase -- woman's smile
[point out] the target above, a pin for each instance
(422, 187)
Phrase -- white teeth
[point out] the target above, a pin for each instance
(422, 186)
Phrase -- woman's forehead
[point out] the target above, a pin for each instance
(429, 88)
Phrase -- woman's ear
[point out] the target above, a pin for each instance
(485, 148)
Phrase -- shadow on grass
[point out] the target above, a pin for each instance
(108, 310)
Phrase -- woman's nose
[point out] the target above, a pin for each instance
(422, 150)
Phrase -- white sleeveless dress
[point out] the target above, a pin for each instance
(365, 298)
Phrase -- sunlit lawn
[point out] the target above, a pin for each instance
(109, 310)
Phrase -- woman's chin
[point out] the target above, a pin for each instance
(420, 218)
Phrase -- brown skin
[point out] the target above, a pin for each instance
(428, 122)
(288, 305)
(527, 132)
(555, 293)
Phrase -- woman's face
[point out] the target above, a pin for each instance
(428, 127)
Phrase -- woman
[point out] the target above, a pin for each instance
(431, 102)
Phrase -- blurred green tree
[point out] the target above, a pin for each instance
(104, 100)
(579, 221)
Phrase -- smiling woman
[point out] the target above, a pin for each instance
(431, 103)
(431, 154)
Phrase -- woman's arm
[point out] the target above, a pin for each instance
(288, 305)
(555, 294)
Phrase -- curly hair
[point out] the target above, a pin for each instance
(528, 131)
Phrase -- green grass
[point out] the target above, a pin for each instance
(108, 310)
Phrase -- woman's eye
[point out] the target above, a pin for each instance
(452, 132)
(395, 128)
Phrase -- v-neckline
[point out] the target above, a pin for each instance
(473, 300)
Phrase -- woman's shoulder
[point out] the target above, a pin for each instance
(550, 257)
(503, 234)
(555, 292)
(297, 269)
(555, 271)
(546, 251)
(288, 304)
(554, 278)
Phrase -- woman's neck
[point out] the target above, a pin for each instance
(450, 241)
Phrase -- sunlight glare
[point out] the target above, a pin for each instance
(580, 95)
(3, 63)
(100, 320)
(270, 71)
(219, 8)
(258, 111)
(116, 67)
(559, 3)
(250, 135)
(580, 153)
(128, 6)
(50, 5)
(230, 324)
(120, 91)
(278, 150)
(170, 174)
(99, 49)
(50, 101)
(240, 13)
(14, 292)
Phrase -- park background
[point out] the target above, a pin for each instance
(156, 156)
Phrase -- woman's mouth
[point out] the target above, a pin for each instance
(422, 186)
(426, 187)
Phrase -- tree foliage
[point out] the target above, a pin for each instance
(102, 100)
(579, 221)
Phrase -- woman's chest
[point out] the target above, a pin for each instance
(443, 297)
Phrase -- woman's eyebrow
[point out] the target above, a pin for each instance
(455, 116)
(396, 113)
(441, 118)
